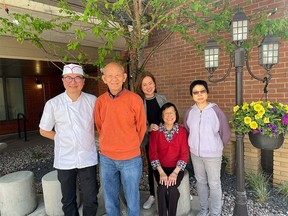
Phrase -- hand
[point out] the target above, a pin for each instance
(163, 179)
(172, 179)
(154, 127)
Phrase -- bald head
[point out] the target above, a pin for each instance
(113, 66)
(114, 76)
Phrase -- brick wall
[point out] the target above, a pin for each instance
(177, 63)
(280, 165)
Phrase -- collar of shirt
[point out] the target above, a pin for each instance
(68, 99)
(169, 133)
(118, 94)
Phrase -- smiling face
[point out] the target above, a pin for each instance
(148, 87)
(199, 94)
(73, 85)
(114, 76)
(169, 116)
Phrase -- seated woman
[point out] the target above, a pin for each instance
(168, 153)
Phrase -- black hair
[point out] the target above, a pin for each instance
(138, 84)
(198, 82)
(166, 106)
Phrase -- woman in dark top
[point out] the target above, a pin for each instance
(146, 88)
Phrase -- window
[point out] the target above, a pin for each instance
(11, 98)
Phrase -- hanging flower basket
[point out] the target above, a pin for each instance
(265, 122)
(265, 142)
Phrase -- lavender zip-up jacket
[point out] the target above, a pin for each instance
(208, 130)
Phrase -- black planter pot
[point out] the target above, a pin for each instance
(265, 142)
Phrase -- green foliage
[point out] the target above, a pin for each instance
(258, 183)
(283, 189)
(108, 21)
(268, 118)
(37, 155)
(225, 160)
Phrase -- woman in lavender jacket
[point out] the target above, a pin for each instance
(209, 131)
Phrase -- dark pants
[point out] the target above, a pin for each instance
(150, 172)
(168, 197)
(89, 188)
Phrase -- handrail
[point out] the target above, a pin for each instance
(24, 124)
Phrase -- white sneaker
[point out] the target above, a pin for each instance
(149, 202)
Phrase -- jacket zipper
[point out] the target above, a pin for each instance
(199, 145)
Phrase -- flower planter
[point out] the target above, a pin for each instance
(265, 142)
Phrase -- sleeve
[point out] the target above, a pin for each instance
(47, 121)
(97, 118)
(224, 130)
(185, 120)
(184, 149)
(153, 146)
(140, 118)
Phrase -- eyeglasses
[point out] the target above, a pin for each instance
(169, 113)
(199, 92)
(69, 79)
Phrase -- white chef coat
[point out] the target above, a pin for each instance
(73, 123)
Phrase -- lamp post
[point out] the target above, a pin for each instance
(268, 56)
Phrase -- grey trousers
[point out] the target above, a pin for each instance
(207, 173)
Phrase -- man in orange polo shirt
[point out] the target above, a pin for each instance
(121, 122)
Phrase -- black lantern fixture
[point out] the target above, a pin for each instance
(239, 28)
(40, 84)
(268, 57)
(211, 56)
(268, 52)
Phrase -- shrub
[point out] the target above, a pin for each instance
(258, 183)
(283, 189)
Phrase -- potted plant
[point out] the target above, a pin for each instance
(266, 123)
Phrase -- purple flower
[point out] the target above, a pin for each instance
(285, 119)
(273, 109)
(261, 131)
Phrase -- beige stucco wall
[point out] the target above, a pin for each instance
(10, 48)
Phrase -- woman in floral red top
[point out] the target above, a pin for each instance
(168, 153)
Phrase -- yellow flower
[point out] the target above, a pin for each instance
(245, 106)
(258, 116)
(258, 107)
(253, 125)
(261, 112)
(236, 108)
(266, 120)
(247, 120)
(269, 105)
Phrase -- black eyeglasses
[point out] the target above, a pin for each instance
(69, 79)
(199, 92)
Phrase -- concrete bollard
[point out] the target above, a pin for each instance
(17, 194)
(52, 194)
(3, 146)
(184, 205)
